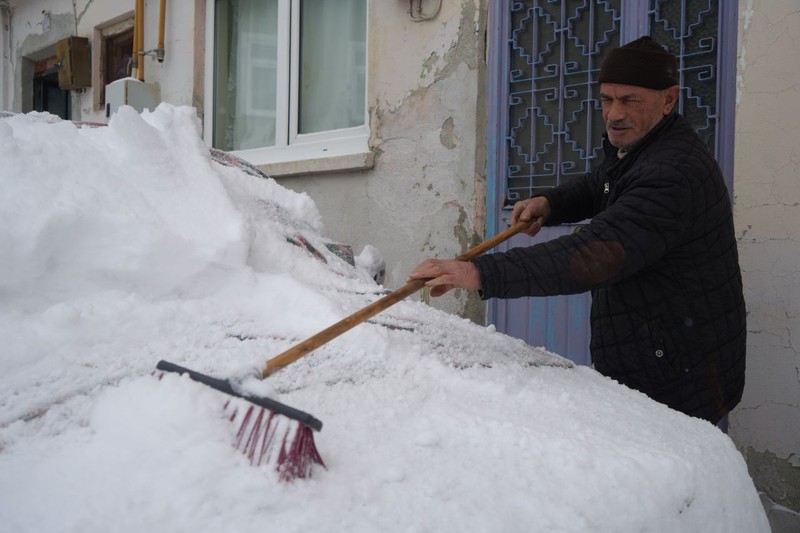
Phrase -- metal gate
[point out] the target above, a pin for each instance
(545, 123)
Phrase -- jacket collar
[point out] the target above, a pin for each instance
(611, 150)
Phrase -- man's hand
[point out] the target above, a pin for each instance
(536, 210)
(446, 274)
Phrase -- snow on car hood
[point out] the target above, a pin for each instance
(127, 244)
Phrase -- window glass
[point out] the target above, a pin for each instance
(332, 64)
(119, 50)
(246, 73)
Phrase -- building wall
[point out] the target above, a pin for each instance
(35, 26)
(425, 195)
(32, 33)
(175, 75)
(766, 425)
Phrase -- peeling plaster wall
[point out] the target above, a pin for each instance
(34, 29)
(766, 425)
(425, 196)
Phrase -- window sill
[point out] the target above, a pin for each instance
(339, 163)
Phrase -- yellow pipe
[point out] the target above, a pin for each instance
(140, 33)
(135, 52)
(162, 15)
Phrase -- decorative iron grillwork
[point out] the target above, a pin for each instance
(690, 30)
(555, 123)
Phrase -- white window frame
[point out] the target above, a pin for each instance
(289, 144)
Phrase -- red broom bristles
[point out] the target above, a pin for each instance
(302, 455)
(269, 438)
(276, 438)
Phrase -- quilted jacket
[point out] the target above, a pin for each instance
(659, 257)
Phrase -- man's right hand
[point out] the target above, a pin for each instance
(536, 210)
(446, 274)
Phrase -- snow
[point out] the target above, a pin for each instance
(127, 244)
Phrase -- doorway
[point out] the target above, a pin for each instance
(545, 121)
(47, 95)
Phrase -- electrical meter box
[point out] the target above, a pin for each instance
(130, 91)
(74, 63)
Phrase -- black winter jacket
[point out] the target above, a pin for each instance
(660, 258)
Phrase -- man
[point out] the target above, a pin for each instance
(659, 255)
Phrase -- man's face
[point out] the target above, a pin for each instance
(630, 111)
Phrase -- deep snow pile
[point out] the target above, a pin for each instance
(127, 244)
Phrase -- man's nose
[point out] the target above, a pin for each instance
(614, 111)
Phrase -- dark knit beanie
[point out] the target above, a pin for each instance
(643, 63)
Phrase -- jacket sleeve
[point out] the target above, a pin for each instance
(574, 200)
(644, 221)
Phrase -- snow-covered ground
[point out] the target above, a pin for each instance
(127, 244)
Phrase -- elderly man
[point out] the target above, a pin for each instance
(659, 255)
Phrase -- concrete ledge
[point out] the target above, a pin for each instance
(360, 161)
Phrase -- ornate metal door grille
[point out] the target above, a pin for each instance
(689, 29)
(555, 125)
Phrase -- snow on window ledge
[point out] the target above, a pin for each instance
(358, 161)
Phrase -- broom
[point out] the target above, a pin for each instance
(270, 432)
(273, 433)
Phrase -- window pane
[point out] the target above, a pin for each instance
(119, 49)
(332, 64)
(245, 74)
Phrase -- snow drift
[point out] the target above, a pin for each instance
(127, 244)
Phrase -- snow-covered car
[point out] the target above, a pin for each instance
(127, 244)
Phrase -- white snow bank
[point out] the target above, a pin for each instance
(127, 244)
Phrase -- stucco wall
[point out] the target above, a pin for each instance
(425, 195)
(33, 31)
(174, 76)
(766, 425)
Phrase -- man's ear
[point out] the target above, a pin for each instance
(671, 95)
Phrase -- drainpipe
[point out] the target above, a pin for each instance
(140, 37)
(5, 56)
(162, 15)
(135, 52)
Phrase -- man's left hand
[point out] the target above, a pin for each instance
(446, 274)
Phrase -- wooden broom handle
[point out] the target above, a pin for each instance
(312, 343)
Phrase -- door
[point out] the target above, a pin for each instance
(47, 95)
(545, 123)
